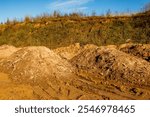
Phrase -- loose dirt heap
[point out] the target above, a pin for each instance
(6, 51)
(75, 72)
(111, 64)
(32, 64)
(141, 51)
(72, 50)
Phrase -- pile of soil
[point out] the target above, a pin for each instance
(112, 64)
(68, 52)
(6, 51)
(46, 74)
(139, 50)
(75, 72)
(31, 64)
(72, 50)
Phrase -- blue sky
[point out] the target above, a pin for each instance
(19, 8)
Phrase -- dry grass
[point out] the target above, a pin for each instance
(60, 31)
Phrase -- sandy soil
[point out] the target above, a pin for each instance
(75, 72)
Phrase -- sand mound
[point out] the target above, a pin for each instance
(40, 74)
(6, 51)
(111, 64)
(68, 52)
(35, 63)
(139, 50)
(45, 74)
(72, 50)
(73, 72)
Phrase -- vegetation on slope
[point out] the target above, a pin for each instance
(55, 31)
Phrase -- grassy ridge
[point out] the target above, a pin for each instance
(59, 31)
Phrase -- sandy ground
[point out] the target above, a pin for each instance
(75, 72)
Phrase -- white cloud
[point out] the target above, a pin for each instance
(69, 5)
(82, 8)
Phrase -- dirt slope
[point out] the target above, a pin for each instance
(141, 51)
(113, 65)
(10, 90)
(31, 64)
(48, 75)
(75, 72)
(6, 51)
(72, 50)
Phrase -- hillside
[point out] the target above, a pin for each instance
(57, 31)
